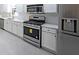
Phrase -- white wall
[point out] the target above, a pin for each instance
(3, 10)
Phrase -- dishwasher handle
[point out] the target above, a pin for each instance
(49, 32)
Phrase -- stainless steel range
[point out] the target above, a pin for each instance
(33, 29)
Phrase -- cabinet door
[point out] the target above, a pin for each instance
(20, 29)
(50, 8)
(49, 40)
(10, 25)
(14, 28)
(19, 8)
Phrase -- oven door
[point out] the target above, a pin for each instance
(32, 34)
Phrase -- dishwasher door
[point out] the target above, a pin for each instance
(1, 23)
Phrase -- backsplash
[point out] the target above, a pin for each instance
(50, 18)
(5, 14)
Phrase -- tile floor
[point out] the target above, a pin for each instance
(12, 45)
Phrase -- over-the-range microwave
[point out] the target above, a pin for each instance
(35, 8)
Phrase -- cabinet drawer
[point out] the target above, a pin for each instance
(49, 30)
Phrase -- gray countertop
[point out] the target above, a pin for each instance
(50, 26)
(6, 17)
(18, 20)
(15, 19)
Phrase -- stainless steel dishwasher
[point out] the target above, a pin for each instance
(1, 23)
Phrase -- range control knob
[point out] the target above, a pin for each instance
(36, 37)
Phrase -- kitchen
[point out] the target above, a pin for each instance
(40, 25)
(20, 28)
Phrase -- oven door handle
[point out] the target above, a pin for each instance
(32, 27)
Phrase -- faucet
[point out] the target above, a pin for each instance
(13, 12)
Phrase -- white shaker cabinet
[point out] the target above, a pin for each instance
(8, 24)
(50, 8)
(14, 27)
(18, 28)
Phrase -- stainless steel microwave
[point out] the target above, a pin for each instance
(35, 8)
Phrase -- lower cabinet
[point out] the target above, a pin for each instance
(18, 28)
(8, 25)
(14, 27)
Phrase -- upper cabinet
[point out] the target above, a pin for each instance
(42, 8)
(19, 8)
(20, 11)
(50, 8)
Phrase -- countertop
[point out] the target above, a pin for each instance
(13, 19)
(5, 17)
(50, 26)
(18, 20)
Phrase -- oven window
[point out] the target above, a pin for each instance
(31, 32)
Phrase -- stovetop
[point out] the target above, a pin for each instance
(34, 22)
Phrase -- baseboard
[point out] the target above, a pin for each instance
(51, 51)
